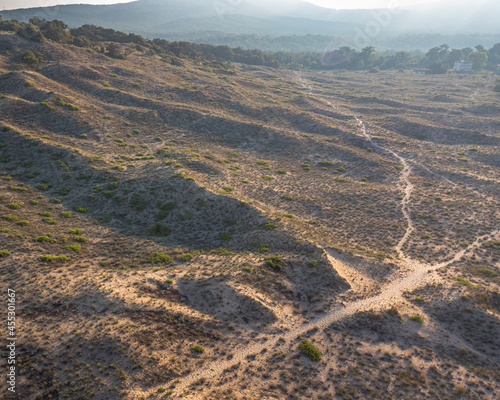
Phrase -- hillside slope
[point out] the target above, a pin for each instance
(176, 229)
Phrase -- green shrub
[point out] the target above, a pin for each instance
(49, 221)
(10, 218)
(67, 214)
(159, 229)
(416, 318)
(23, 223)
(228, 189)
(81, 239)
(138, 203)
(159, 258)
(263, 249)
(309, 350)
(16, 188)
(270, 225)
(184, 257)
(43, 239)
(221, 251)
(275, 262)
(63, 191)
(76, 231)
(462, 281)
(4, 253)
(267, 178)
(55, 201)
(45, 214)
(74, 247)
(225, 236)
(80, 209)
(50, 258)
(197, 349)
(5, 230)
(14, 206)
(68, 106)
(165, 209)
(247, 269)
(42, 186)
(32, 57)
(281, 172)
(313, 263)
(487, 272)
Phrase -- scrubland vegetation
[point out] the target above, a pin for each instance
(197, 229)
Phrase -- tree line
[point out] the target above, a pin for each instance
(106, 40)
(437, 60)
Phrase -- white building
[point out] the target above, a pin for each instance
(463, 66)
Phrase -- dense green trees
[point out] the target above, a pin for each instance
(437, 60)
(479, 60)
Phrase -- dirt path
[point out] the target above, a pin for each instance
(418, 275)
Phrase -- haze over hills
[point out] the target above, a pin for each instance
(217, 22)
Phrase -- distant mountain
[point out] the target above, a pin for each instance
(199, 18)
(160, 17)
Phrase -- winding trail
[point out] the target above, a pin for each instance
(417, 275)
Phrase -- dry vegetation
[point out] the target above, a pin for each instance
(177, 230)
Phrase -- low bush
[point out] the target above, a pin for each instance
(165, 209)
(14, 206)
(462, 281)
(76, 231)
(197, 349)
(74, 247)
(64, 191)
(270, 225)
(51, 258)
(81, 239)
(160, 230)
(416, 318)
(4, 253)
(68, 106)
(263, 249)
(138, 203)
(225, 236)
(184, 257)
(80, 209)
(23, 223)
(159, 258)
(309, 350)
(10, 218)
(221, 251)
(275, 262)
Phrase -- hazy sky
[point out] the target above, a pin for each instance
(11, 4)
